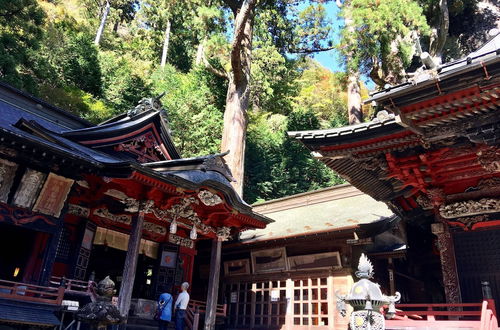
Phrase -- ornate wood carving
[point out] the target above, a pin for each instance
(8, 152)
(53, 195)
(28, 189)
(448, 267)
(78, 210)
(154, 228)
(468, 208)
(424, 202)
(489, 158)
(22, 217)
(436, 196)
(223, 233)
(469, 222)
(209, 198)
(146, 104)
(7, 173)
(372, 163)
(216, 163)
(119, 218)
(184, 210)
(488, 183)
(145, 147)
(186, 242)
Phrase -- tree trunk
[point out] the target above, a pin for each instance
(237, 99)
(354, 99)
(103, 24)
(200, 52)
(165, 45)
(437, 44)
(354, 109)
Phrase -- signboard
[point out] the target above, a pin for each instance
(318, 260)
(237, 267)
(168, 259)
(234, 297)
(53, 195)
(88, 238)
(269, 260)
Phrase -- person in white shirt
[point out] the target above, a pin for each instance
(180, 306)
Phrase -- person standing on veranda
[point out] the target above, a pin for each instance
(180, 306)
(164, 310)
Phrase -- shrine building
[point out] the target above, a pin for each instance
(286, 275)
(432, 155)
(85, 201)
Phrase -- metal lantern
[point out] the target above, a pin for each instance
(193, 234)
(173, 227)
(366, 299)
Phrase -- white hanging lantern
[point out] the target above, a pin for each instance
(193, 234)
(173, 227)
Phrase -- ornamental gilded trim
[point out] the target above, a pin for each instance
(470, 207)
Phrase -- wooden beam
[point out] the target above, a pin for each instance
(130, 266)
(213, 285)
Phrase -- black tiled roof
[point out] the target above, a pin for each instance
(487, 55)
(344, 134)
(28, 130)
(28, 313)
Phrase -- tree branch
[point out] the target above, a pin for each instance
(436, 47)
(241, 20)
(310, 50)
(211, 68)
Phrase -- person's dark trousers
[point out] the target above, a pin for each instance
(163, 325)
(180, 314)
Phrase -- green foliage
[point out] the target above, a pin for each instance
(323, 93)
(79, 65)
(20, 33)
(195, 121)
(469, 24)
(379, 35)
(313, 29)
(48, 48)
(77, 102)
(122, 80)
(276, 166)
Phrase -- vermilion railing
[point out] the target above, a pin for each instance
(32, 293)
(75, 286)
(441, 316)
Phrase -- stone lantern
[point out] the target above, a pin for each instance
(366, 299)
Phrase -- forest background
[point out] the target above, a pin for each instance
(54, 50)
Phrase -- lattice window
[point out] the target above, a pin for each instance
(310, 302)
(63, 246)
(270, 303)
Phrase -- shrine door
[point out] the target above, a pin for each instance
(305, 303)
(478, 259)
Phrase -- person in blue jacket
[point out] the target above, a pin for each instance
(164, 310)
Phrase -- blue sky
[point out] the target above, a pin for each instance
(330, 59)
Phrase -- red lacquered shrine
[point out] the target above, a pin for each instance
(85, 201)
(433, 156)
